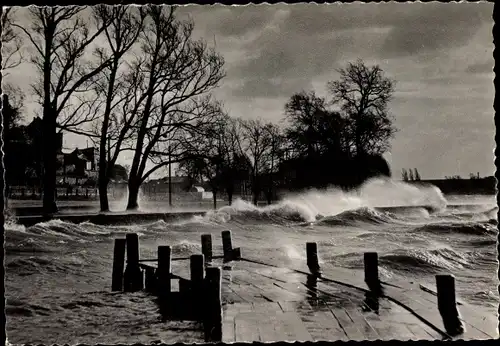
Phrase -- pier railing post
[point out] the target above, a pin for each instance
(447, 304)
(133, 276)
(206, 247)
(150, 282)
(213, 313)
(236, 254)
(312, 258)
(118, 265)
(227, 245)
(371, 272)
(197, 268)
(164, 271)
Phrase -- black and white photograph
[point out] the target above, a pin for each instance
(249, 173)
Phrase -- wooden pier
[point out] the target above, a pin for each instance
(238, 299)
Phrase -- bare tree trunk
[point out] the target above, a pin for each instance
(271, 179)
(214, 196)
(49, 132)
(255, 196)
(230, 196)
(103, 160)
(103, 193)
(49, 158)
(255, 190)
(133, 194)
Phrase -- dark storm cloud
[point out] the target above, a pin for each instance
(289, 62)
(316, 39)
(316, 19)
(231, 21)
(243, 19)
(271, 88)
(413, 27)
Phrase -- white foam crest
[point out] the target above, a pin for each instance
(381, 192)
(333, 201)
(12, 226)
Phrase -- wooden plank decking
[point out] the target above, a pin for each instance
(276, 304)
(266, 303)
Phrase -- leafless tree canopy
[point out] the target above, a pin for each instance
(125, 26)
(173, 76)
(144, 84)
(11, 43)
(363, 94)
(60, 38)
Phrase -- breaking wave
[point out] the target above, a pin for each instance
(357, 216)
(470, 228)
(416, 261)
(370, 202)
(425, 260)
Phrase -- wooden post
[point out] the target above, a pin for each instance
(213, 312)
(312, 258)
(197, 267)
(118, 265)
(227, 245)
(447, 304)
(164, 271)
(371, 271)
(133, 277)
(206, 247)
(150, 281)
(236, 254)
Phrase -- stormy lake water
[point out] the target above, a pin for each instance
(58, 274)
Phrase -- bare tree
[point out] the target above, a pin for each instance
(176, 75)
(312, 128)
(61, 38)
(257, 141)
(272, 158)
(416, 175)
(404, 174)
(363, 93)
(237, 165)
(125, 25)
(209, 157)
(11, 58)
(11, 42)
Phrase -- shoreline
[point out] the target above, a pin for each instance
(76, 212)
(109, 218)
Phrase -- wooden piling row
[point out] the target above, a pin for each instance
(206, 247)
(133, 277)
(312, 258)
(227, 245)
(164, 271)
(203, 289)
(447, 304)
(213, 312)
(118, 265)
(371, 272)
(150, 279)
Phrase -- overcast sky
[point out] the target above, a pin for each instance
(439, 54)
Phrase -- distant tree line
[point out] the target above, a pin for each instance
(137, 81)
(472, 176)
(320, 144)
